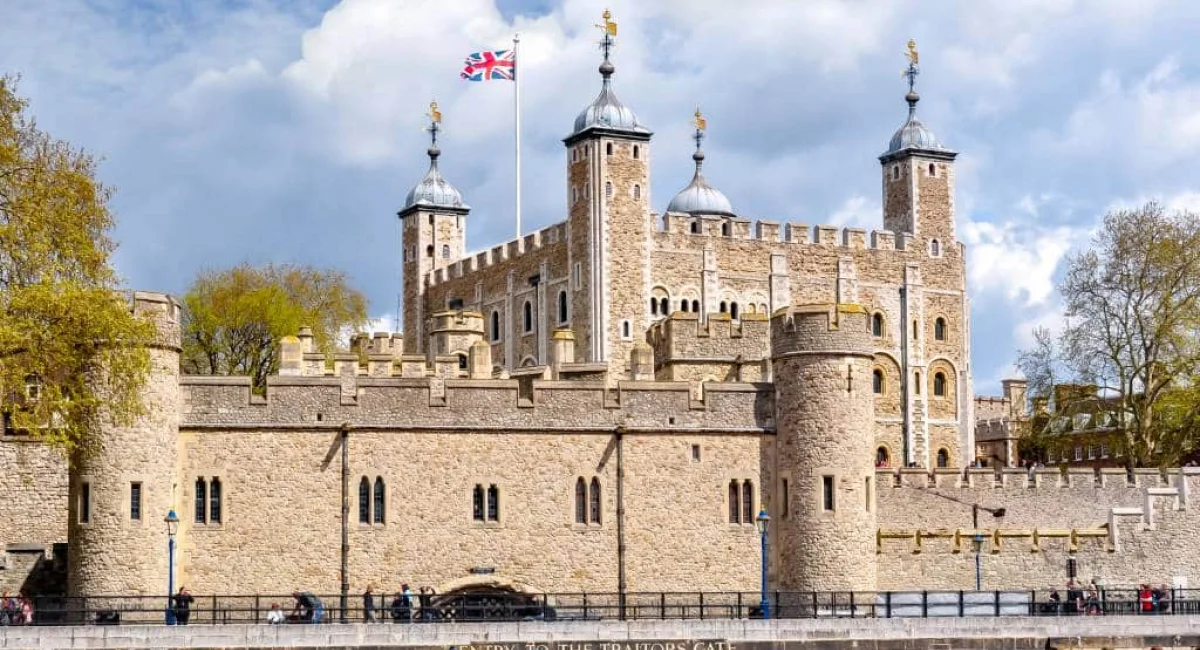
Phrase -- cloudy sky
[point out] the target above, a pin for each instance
(290, 130)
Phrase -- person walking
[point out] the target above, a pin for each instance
(369, 604)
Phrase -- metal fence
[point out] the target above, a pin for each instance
(509, 606)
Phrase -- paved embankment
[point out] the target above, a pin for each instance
(1118, 632)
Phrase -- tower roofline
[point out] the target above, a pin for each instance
(935, 154)
(426, 207)
(599, 132)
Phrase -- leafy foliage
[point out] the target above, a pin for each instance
(234, 318)
(1132, 331)
(70, 349)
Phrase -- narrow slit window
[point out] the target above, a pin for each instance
(784, 499)
(877, 381)
(608, 190)
(696, 306)
(608, 148)
(135, 501)
(493, 503)
(734, 502)
(214, 501)
(477, 503)
(747, 502)
(867, 492)
(380, 500)
(580, 501)
(939, 329)
(683, 305)
(917, 383)
(85, 503)
(637, 191)
(733, 310)
(594, 501)
(495, 325)
(201, 501)
(562, 307)
(939, 385)
(635, 152)
(445, 251)
(877, 324)
(664, 306)
(654, 306)
(626, 330)
(827, 493)
(528, 317)
(364, 501)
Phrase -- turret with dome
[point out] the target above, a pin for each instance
(699, 197)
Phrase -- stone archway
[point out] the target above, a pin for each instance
(493, 600)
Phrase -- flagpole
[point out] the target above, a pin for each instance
(517, 126)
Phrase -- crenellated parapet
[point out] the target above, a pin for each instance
(703, 227)
(534, 243)
(716, 348)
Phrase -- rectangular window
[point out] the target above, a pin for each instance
(784, 500)
(578, 276)
(1104, 450)
(135, 501)
(85, 503)
(827, 492)
(477, 503)
(696, 453)
(214, 501)
(201, 501)
(493, 503)
(1078, 452)
(1091, 452)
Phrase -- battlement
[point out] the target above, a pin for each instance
(1012, 478)
(379, 343)
(773, 232)
(163, 310)
(441, 404)
(509, 250)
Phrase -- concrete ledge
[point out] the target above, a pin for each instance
(882, 634)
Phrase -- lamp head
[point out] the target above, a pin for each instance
(999, 512)
(762, 521)
(172, 521)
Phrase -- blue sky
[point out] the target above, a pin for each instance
(290, 130)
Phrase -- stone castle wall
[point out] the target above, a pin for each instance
(33, 482)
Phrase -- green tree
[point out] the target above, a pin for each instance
(235, 318)
(1132, 330)
(69, 346)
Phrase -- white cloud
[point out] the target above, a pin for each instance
(1016, 260)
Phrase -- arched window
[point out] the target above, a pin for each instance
(935, 248)
(445, 251)
(477, 503)
(594, 501)
(724, 307)
(735, 502)
(877, 381)
(608, 190)
(214, 501)
(495, 325)
(364, 501)
(664, 306)
(939, 329)
(574, 154)
(725, 229)
(462, 360)
(609, 149)
(683, 305)
(696, 306)
(201, 501)
(580, 501)
(429, 251)
(943, 458)
(626, 329)
(636, 152)
(431, 219)
(939, 384)
(528, 317)
(896, 172)
(747, 502)
(654, 306)
(637, 191)
(932, 170)
(380, 499)
(493, 503)
(696, 227)
(881, 457)
(733, 310)
(877, 324)
(562, 307)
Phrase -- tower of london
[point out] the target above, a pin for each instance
(605, 405)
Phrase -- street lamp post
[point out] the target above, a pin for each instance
(977, 543)
(172, 521)
(763, 521)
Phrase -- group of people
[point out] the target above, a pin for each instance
(15, 611)
(403, 608)
(1088, 600)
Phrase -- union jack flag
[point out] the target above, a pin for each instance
(486, 66)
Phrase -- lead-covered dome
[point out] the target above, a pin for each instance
(433, 190)
(913, 134)
(699, 197)
(606, 111)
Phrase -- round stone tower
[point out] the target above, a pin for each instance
(824, 531)
(122, 488)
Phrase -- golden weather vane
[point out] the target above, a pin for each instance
(912, 55)
(609, 27)
(700, 122)
(434, 113)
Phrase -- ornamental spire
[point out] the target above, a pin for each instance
(701, 125)
(911, 73)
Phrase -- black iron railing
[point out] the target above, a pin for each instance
(508, 606)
